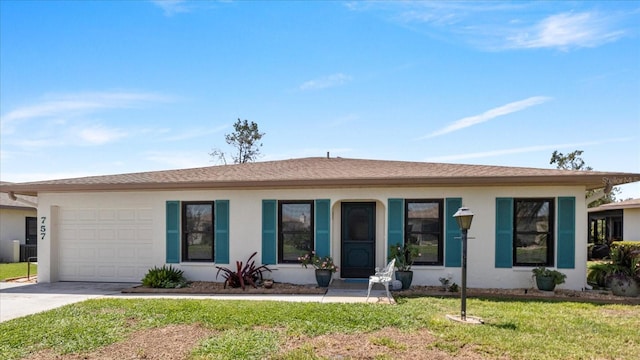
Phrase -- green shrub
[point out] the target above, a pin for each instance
(164, 277)
(541, 271)
(633, 246)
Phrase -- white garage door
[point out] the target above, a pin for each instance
(109, 245)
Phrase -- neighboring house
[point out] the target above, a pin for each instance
(17, 222)
(615, 221)
(116, 227)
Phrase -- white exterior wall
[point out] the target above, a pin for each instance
(631, 224)
(12, 227)
(245, 229)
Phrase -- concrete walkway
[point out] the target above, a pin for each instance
(21, 299)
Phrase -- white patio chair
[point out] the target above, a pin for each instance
(384, 277)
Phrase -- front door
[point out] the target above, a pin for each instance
(358, 240)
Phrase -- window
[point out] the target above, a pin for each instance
(295, 230)
(533, 232)
(424, 228)
(197, 231)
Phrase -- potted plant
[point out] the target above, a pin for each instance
(405, 256)
(624, 274)
(599, 273)
(324, 266)
(547, 279)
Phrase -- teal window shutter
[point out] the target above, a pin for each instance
(504, 233)
(222, 232)
(269, 235)
(173, 232)
(323, 225)
(566, 232)
(453, 241)
(395, 232)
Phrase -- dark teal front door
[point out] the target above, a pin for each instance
(358, 240)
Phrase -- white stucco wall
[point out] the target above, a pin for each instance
(12, 227)
(631, 224)
(246, 233)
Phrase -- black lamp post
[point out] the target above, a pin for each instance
(464, 216)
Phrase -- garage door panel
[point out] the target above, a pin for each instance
(114, 244)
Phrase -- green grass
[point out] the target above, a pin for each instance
(14, 270)
(252, 329)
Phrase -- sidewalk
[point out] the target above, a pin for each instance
(19, 299)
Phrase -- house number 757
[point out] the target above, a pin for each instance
(43, 227)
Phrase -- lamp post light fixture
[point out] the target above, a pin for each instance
(464, 216)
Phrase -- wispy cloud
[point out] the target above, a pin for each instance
(70, 119)
(566, 31)
(488, 115)
(325, 82)
(70, 105)
(527, 149)
(497, 26)
(99, 135)
(172, 7)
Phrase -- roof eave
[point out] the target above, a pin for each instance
(589, 181)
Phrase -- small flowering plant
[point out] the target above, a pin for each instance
(320, 263)
(404, 254)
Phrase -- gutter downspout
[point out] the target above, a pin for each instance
(13, 197)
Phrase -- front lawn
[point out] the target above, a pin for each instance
(415, 328)
(14, 270)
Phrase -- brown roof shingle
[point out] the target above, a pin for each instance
(325, 172)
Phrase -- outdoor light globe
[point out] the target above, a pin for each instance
(464, 216)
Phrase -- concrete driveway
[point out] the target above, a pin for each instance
(20, 299)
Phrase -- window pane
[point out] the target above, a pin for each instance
(296, 217)
(423, 225)
(200, 246)
(423, 228)
(295, 245)
(531, 249)
(533, 242)
(199, 218)
(427, 247)
(197, 231)
(532, 216)
(423, 210)
(295, 229)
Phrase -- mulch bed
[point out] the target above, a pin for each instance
(217, 288)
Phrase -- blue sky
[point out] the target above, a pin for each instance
(93, 88)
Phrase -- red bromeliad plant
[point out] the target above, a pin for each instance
(243, 275)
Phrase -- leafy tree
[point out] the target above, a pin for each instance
(574, 161)
(571, 161)
(246, 141)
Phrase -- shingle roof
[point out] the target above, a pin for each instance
(324, 172)
(626, 204)
(7, 203)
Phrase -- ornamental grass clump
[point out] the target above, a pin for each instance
(319, 263)
(165, 277)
